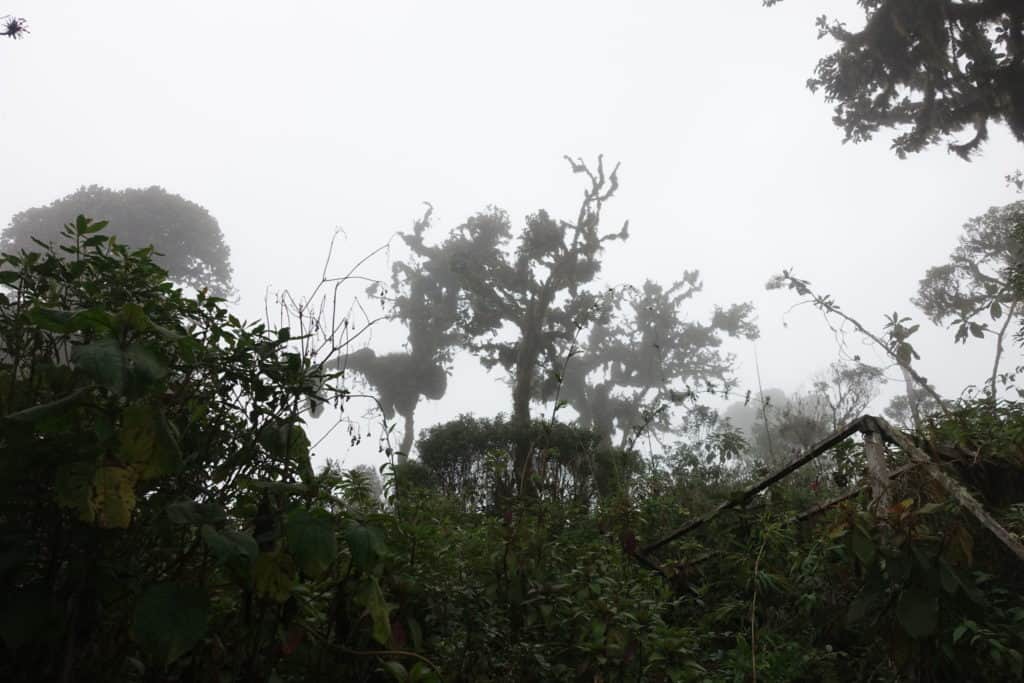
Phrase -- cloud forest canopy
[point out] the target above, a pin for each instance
(188, 240)
(930, 68)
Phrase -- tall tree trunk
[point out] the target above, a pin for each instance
(407, 437)
(521, 421)
(522, 391)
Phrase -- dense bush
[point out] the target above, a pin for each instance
(160, 520)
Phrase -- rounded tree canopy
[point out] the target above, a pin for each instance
(187, 239)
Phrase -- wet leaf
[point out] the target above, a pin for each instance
(364, 544)
(170, 619)
(918, 613)
(311, 540)
(228, 545)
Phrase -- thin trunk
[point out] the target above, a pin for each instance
(407, 438)
(915, 411)
(521, 417)
(999, 348)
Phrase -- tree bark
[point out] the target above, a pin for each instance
(526, 363)
(878, 471)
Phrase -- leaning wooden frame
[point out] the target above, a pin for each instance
(876, 431)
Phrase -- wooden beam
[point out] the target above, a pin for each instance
(744, 496)
(952, 486)
(899, 471)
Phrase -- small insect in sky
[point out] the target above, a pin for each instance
(13, 27)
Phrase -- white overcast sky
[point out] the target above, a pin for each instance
(288, 120)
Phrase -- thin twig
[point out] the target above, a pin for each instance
(753, 609)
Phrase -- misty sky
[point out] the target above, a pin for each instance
(288, 121)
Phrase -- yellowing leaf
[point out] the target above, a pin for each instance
(147, 442)
(114, 497)
(272, 578)
(380, 612)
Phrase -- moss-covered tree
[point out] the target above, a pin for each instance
(928, 68)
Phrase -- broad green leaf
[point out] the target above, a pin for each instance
(311, 540)
(134, 317)
(898, 566)
(84, 226)
(185, 512)
(918, 613)
(285, 441)
(65, 322)
(145, 364)
(364, 544)
(228, 545)
(52, 319)
(147, 443)
(863, 605)
(298, 444)
(103, 361)
(863, 547)
(94, 318)
(170, 619)
(421, 673)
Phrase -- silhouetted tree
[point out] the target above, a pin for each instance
(900, 412)
(644, 356)
(428, 306)
(399, 379)
(978, 280)
(928, 67)
(845, 391)
(188, 240)
(790, 424)
(535, 286)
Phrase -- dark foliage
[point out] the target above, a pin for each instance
(188, 240)
(928, 67)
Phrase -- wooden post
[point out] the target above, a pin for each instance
(878, 471)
